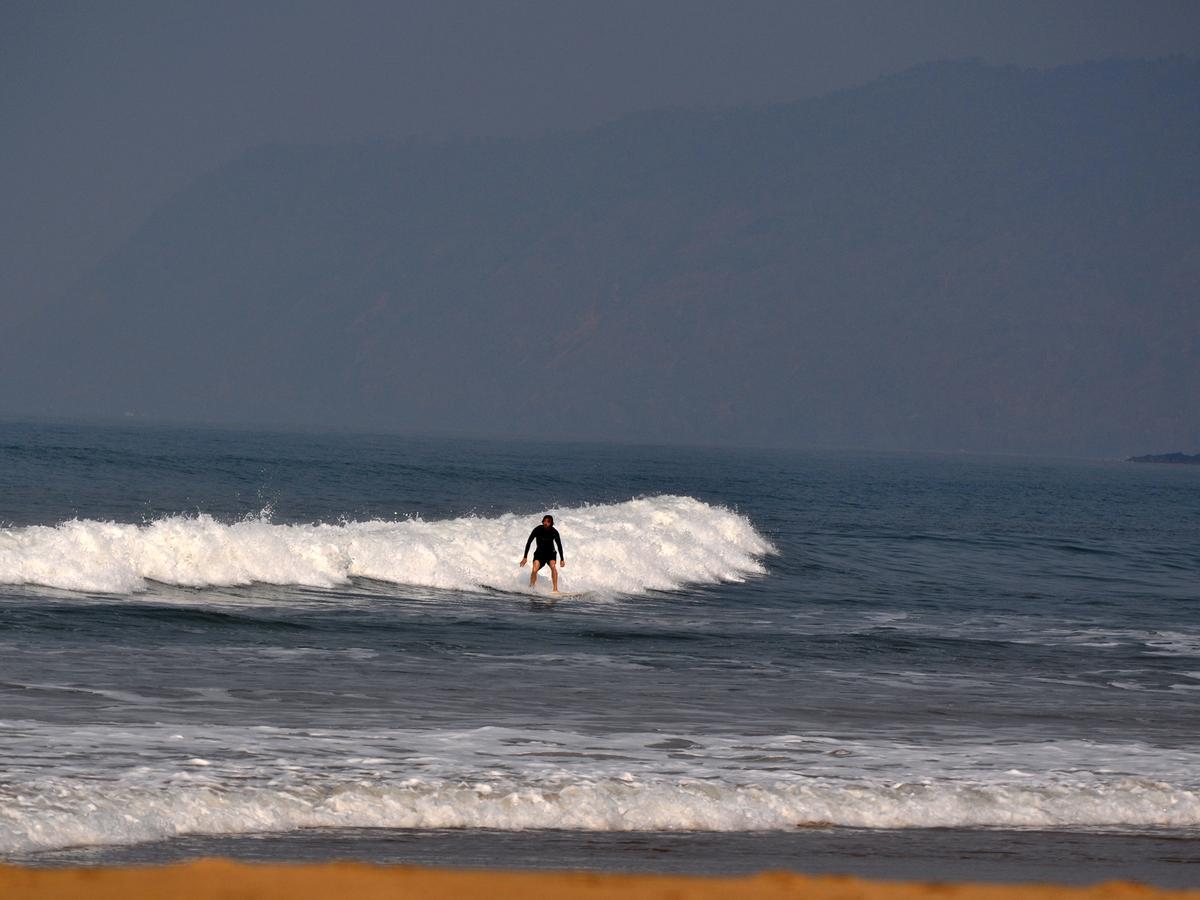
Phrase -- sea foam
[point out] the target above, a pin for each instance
(71, 813)
(151, 782)
(653, 543)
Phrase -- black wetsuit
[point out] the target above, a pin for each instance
(546, 538)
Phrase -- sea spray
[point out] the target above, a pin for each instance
(653, 543)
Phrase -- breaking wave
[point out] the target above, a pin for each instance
(143, 783)
(85, 813)
(654, 543)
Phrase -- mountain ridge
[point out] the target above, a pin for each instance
(956, 257)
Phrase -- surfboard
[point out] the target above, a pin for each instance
(538, 595)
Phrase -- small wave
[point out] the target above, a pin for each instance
(65, 814)
(150, 782)
(653, 543)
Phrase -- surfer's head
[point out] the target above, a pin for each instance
(548, 521)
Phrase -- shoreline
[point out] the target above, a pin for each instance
(1164, 860)
(219, 878)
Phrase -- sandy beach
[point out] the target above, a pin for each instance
(236, 881)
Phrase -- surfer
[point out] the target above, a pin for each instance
(547, 538)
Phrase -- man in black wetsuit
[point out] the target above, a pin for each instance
(547, 537)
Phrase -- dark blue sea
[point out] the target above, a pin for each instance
(303, 646)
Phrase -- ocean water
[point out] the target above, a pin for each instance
(298, 646)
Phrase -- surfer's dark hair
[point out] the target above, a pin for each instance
(548, 516)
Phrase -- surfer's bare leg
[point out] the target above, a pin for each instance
(554, 574)
(533, 573)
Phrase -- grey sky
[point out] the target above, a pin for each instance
(108, 108)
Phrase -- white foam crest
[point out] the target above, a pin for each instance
(653, 543)
(128, 784)
(64, 814)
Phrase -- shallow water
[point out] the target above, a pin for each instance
(941, 854)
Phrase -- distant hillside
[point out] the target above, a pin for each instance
(1184, 459)
(960, 256)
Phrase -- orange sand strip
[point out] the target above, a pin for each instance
(213, 879)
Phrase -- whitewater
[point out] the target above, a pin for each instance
(268, 779)
(654, 543)
(268, 645)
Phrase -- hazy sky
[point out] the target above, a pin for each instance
(107, 108)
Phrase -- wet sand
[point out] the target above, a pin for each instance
(1162, 859)
(212, 879)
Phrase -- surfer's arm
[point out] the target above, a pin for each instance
(525, 553)
(562, 556)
